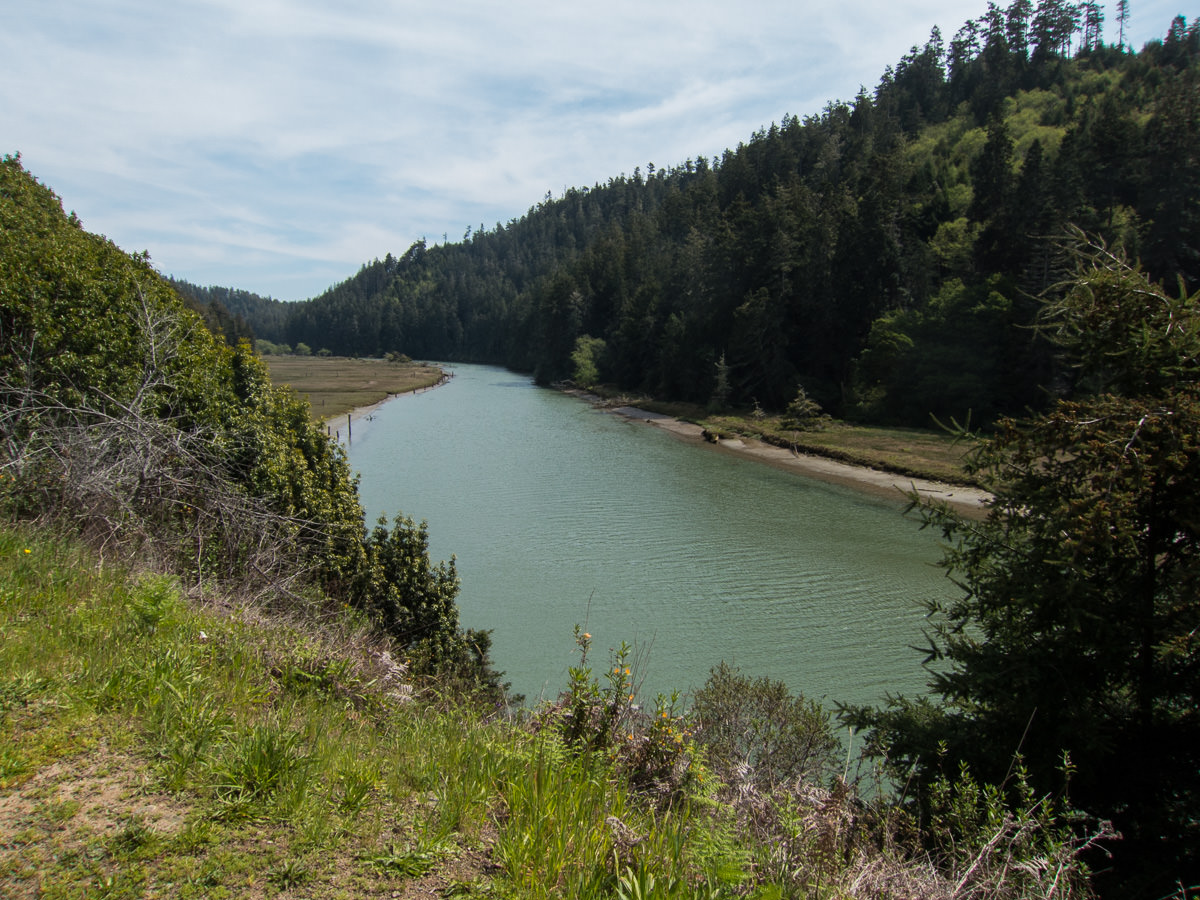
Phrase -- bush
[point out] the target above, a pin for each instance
(756, 731)
(601, 719)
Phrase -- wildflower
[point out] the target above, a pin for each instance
(587, 636)
(627, 670)
(27, 550)
(630, 696)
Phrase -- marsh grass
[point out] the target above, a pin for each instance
(336, 385)
(153, 747)
(931, 454)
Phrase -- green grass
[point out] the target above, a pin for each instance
(905, 451)
(151, 746)
(155, 748)
(336, 385)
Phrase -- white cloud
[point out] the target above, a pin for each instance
(276, 145)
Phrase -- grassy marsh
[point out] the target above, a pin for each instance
(336, 385)
(919, 453)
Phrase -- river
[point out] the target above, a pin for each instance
(562, 514)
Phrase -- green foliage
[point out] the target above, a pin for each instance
(899, 212)
(1077, 630)
(123, 417)
(756, 731)
(270, 348)
(1006, 838)
(950, 360)
(721, 387)
(586, 358)
(803, 412)
(259, 764)
(413, 599)
(600, 717)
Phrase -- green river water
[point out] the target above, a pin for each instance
(559, 513)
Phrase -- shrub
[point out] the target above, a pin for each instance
(756, 730)
(600, 717)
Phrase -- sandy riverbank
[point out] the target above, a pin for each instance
(969, 501)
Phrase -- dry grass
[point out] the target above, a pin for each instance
(335, 385)
(908, 451)
(919, 453)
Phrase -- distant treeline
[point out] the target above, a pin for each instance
(886, 255)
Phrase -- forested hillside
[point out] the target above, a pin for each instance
(227, 311)
(884, 254)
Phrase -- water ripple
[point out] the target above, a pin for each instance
(559, 514)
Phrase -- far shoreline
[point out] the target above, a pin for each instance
(968, 501)
(971, 502)
(335, 422)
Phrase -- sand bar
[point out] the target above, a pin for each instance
(967, 500)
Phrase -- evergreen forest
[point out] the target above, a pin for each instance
(884, 254)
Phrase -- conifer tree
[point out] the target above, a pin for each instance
(1076, 643)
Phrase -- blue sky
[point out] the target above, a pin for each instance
(276, 145)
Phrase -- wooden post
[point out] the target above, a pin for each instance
(349, 433)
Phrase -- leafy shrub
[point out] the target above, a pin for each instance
(1003, 840)
(600, 716)
(755, 730)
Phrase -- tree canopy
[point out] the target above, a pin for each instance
(1076, 642)
(881, 254)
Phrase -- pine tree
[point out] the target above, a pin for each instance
(1076, 643)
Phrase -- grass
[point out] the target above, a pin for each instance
(151, 746)
(336, 385)
(905, 451)
(155, 748)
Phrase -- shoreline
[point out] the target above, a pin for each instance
(970, 502)
(333, 424)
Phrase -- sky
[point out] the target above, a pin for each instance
(278, 145)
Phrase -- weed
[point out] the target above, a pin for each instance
(462, 890)
(290, 873)
(13, 764)
(407, 862)
(258, 763)
(355, 781)
(154, 598)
